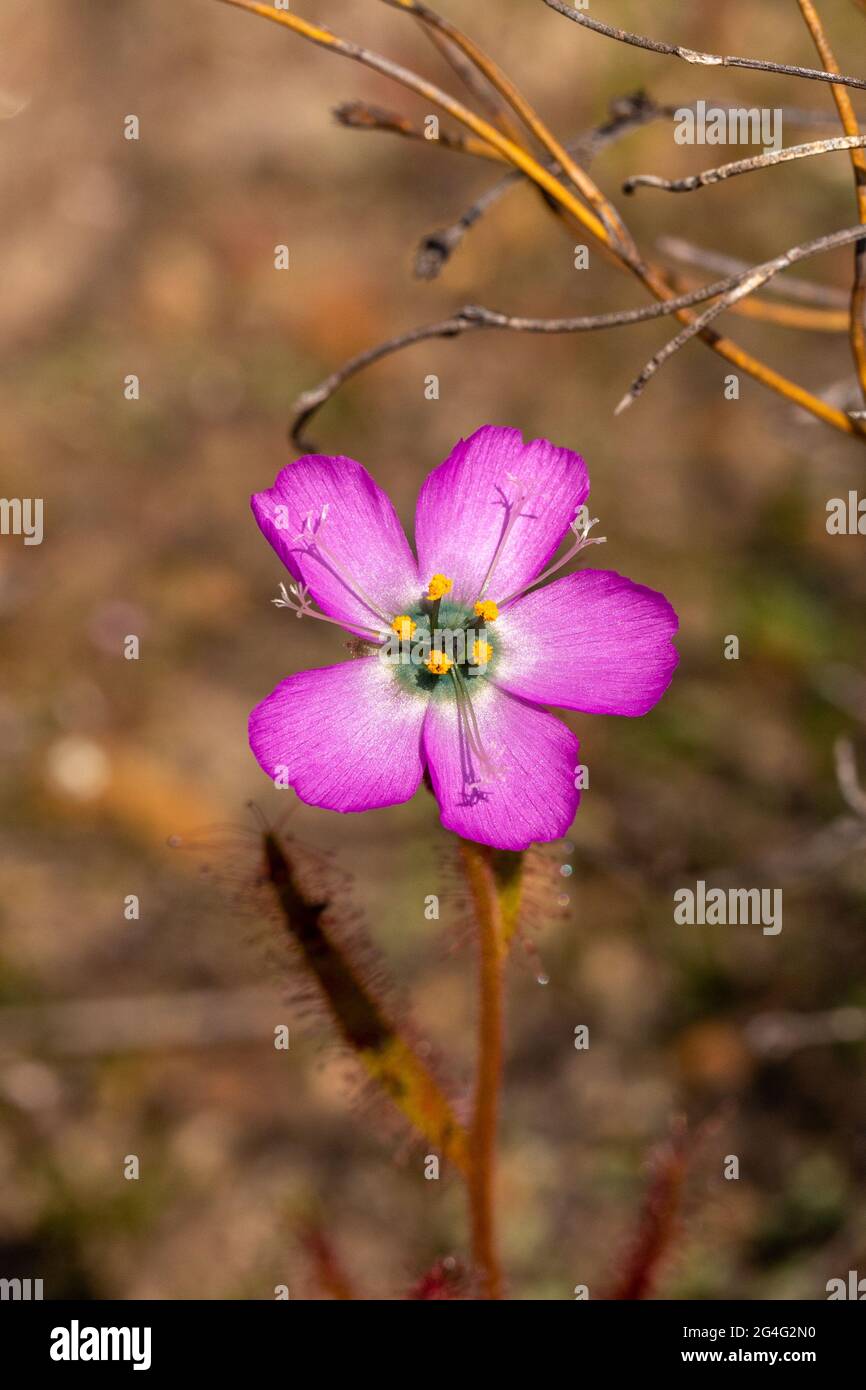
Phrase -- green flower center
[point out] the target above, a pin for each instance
(438, 647)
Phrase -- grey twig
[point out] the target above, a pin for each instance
(626, 114)
(744, 166)
(473, 317)
(746, 284)
(361, 115)
(469, 319)
(689, 55)
(791, 287)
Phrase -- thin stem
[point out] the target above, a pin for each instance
(786, 315)
(527, 113)
(482, 1136)
(323, 38)
(851, 127)
(743, 166)
(472, 78)
(651, 276)
(626, 114)
(673, 50)
(747, 284)
(359, 115)
(473, 317)
(791, 287)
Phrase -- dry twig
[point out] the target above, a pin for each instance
(790, 287)
(747, 284)
(743, 166)
(472, 317)
(689, 55)
(618, 244)
(851, 127)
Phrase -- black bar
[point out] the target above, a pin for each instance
(253, 1338)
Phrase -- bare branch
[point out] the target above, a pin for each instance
(473, 317)
(796, 316)
(791, 287)
(612, 244)
(743, 166)
(747, 284)
(357, 53)
(850, 126)
(360, 115)
(617, 234)
(626, 114)
(689, 55)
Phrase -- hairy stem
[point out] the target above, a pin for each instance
(482, 1138)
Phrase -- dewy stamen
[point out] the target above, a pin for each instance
(315, 545)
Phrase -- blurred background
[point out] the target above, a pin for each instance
(154, 1037)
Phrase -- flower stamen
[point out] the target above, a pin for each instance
(297, 599)
(482, 652)
(404, 626)
(580, 529)
(439, 663)
(439, 586)
(310, 538)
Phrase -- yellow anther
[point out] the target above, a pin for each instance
(485, 608)
(438, 663)
(481, 653)
(439, 586)
(404, 627)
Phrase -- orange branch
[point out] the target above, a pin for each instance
(851, 126)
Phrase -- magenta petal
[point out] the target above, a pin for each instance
(361, 531)
(345, 737)
(462, 511)
(592, 641)
(530, 796)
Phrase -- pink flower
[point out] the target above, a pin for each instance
(489, 521)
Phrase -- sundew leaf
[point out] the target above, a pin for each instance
(385, 1053)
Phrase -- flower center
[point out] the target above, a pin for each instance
(438, 650)
(432, 644)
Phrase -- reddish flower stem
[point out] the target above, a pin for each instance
(481, 1180)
